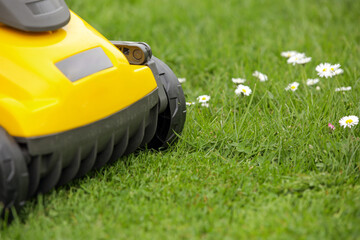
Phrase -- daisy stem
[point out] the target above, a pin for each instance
(303, 72)
(247, 111)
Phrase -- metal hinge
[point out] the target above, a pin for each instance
(137, 53)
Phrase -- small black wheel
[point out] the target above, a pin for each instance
(14, 176)
(171, 121)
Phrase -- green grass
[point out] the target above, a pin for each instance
(258, 167)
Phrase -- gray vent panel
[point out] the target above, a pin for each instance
(84, 64)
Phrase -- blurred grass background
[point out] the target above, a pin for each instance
(264, 166)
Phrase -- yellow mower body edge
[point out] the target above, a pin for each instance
(37, 99)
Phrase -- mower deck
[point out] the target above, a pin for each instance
(58, 158)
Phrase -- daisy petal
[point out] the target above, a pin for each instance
(349, 121)
(241, 89)
(203, 98)
(238, 80)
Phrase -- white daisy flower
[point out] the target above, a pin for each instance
(349, 121)
(241, 89)
(182, 80)
(298, 58)
(256, 74)
(311, 82)
(335, 69)
(190, 103)
(288, 54)
(303, 60)
(342, 89)
(203, 98)
(293, 60)
(324, 70)
(205, 105)
(292, 86)
(339, 71)
(238, 80)
(262, 77)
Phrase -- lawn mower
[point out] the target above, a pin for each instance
(72, 101)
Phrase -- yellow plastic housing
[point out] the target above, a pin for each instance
(37, 99)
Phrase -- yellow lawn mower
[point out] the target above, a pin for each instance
(72, 101)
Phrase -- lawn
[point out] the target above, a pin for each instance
(264, 166)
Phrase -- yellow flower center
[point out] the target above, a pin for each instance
(293, 87)
(244, 90)
(349, 121)
(332, 69)
(324, 69)
(204, 98)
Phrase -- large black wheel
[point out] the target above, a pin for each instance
(14, 176)
(171, 121)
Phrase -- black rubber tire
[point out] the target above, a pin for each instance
(171, 121)
(14, 176)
